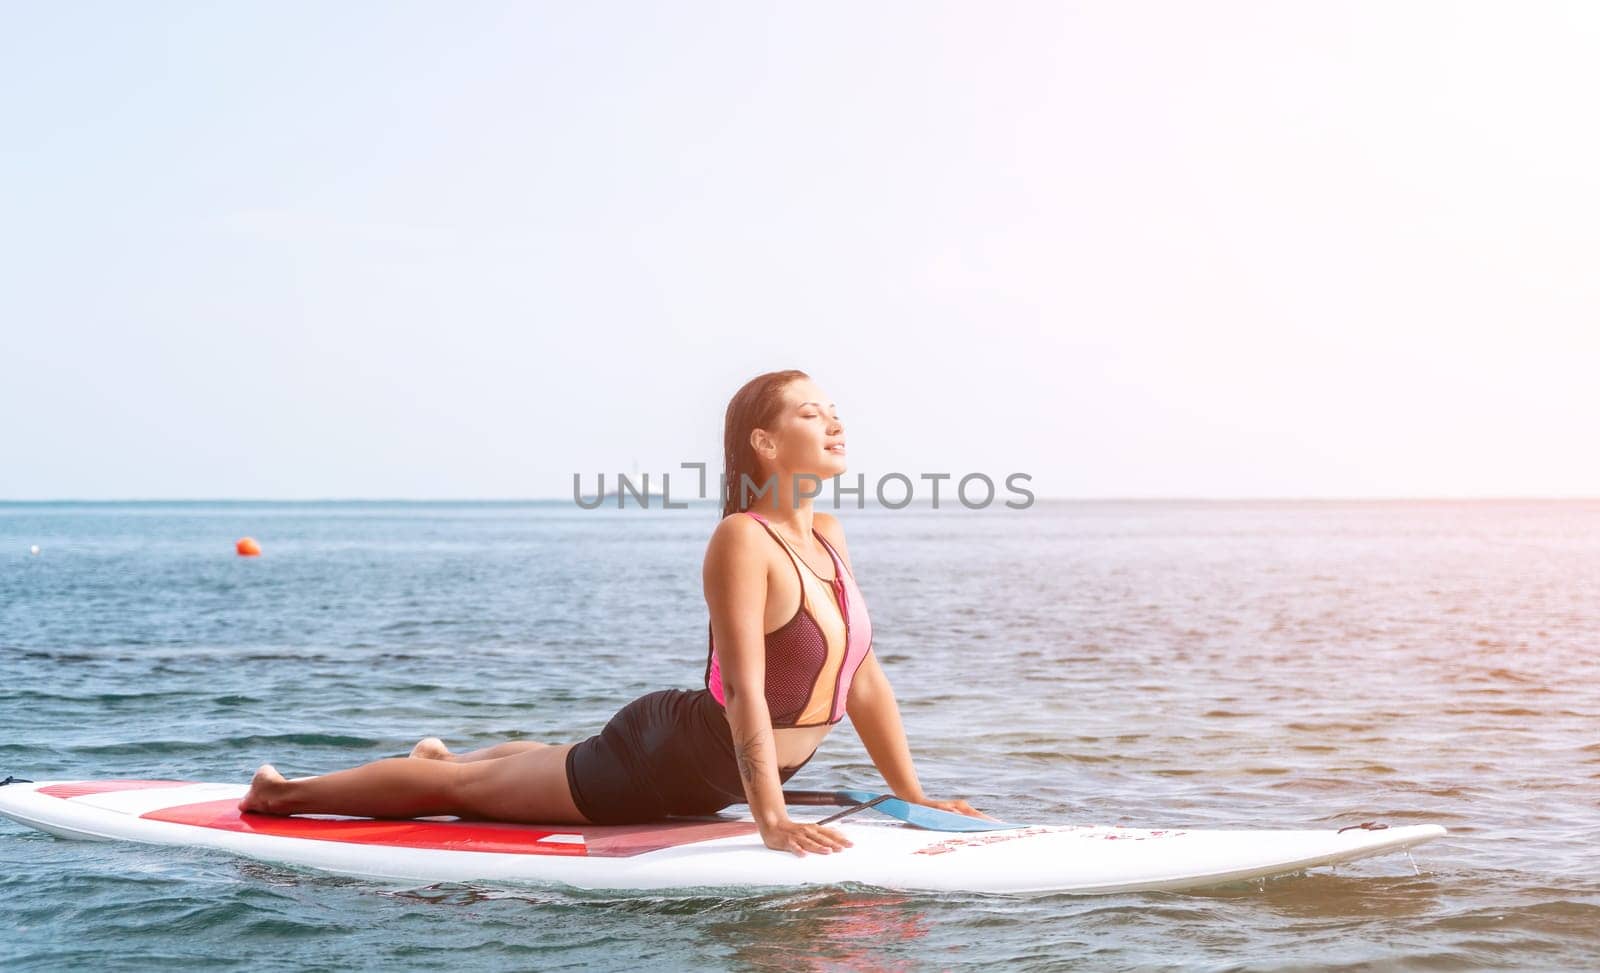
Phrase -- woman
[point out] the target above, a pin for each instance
(789, 656)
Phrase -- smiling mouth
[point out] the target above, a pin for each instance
(838, 448)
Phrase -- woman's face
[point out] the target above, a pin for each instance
(807, 436)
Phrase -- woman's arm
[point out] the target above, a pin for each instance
(875, 714)
(735, 576)
(876, 717)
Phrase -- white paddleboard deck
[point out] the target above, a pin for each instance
(725, 851)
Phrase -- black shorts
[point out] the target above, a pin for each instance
(666, 753)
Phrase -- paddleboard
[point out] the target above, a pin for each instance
(713, 852)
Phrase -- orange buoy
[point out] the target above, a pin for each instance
(247, 547)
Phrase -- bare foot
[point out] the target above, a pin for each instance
(266, 788)
(432, 748)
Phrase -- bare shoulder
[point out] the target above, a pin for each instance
(735, 540)
(734, 574)
(828, 526)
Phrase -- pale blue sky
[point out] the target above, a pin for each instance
(294, 250)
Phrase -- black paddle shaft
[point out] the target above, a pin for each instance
(818, 799)
(832, 799)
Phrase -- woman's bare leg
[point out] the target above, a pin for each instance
(529, 787)
(432, 748)
(506, 749)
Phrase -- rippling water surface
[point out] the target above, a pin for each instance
(1150, 664)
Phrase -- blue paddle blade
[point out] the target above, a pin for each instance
(930, 818)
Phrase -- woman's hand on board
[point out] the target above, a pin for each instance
(800, 837)
(955, 807)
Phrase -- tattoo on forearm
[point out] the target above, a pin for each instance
(749, 754)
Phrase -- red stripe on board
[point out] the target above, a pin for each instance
(83, 788)
(514, 839)
(600, 841)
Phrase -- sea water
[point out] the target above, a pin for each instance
(1192, 665)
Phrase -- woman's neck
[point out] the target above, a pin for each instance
(783, 505)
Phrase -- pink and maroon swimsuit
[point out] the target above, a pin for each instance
(670, 752)
(812, 657)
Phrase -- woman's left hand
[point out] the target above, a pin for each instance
(955, 807)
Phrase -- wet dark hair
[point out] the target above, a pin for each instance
(756, 404)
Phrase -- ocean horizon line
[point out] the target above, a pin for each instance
(655, 498)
